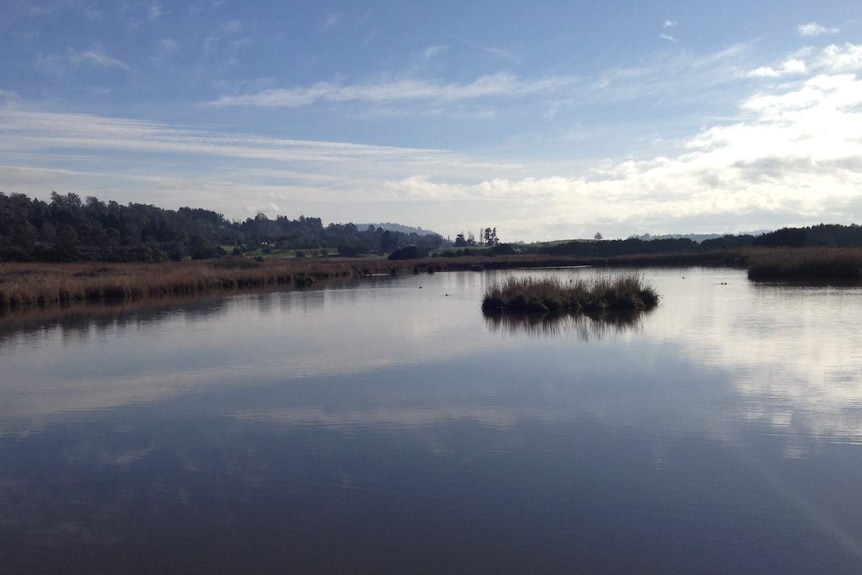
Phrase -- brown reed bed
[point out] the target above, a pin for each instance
(554, 296)
(808, 265)
(35, 285)
(41, 285)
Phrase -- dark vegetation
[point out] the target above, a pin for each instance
(823, 235)
(68, 229)
(551, 295)
(807, 265)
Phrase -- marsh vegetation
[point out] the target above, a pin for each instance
(841, 265)
(552, 295)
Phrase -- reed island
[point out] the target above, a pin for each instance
(555, 296)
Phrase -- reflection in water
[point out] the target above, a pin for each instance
(586, 327)
(794, 354)
(85, 320)
(392, 429)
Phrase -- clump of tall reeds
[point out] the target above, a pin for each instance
(552, 295)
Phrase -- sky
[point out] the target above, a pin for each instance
(547, 120)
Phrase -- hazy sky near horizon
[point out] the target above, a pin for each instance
(546, 120)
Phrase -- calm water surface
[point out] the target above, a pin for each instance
(387, 427)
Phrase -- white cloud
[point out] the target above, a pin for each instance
(495, 85)
(787, 68)
(668, 37)
(815, 29)
(846, 58)
(670, 24)
(790, 155)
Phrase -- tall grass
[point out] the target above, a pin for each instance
(552, 295)
(806, 265)
(40, 285)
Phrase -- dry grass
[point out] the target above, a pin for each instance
(806, 264)
(39, 285)
(24, 286)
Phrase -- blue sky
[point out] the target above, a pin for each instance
(547, 120)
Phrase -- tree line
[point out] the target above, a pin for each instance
(822, 235)
(68, 228)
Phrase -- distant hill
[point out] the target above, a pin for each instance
(391, 227)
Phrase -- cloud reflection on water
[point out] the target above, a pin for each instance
(791, 356)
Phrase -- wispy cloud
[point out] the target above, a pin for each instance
(94, 57)
(155, 12)
(670, 24)
(788, 154)
(86, 8)
(678, 74)
(814, 29)
(668, 37)
(232, 35)
(167, 45)
(495, 85)
(9, 96)
(332, 19)
(432, 52)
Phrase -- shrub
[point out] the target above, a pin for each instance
(407, 253)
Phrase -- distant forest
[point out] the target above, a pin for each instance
(71, 229)
(822, 235)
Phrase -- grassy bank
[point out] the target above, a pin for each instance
(551, 295)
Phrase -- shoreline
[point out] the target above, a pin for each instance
(31, 286)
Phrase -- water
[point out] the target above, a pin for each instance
(387, 427)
